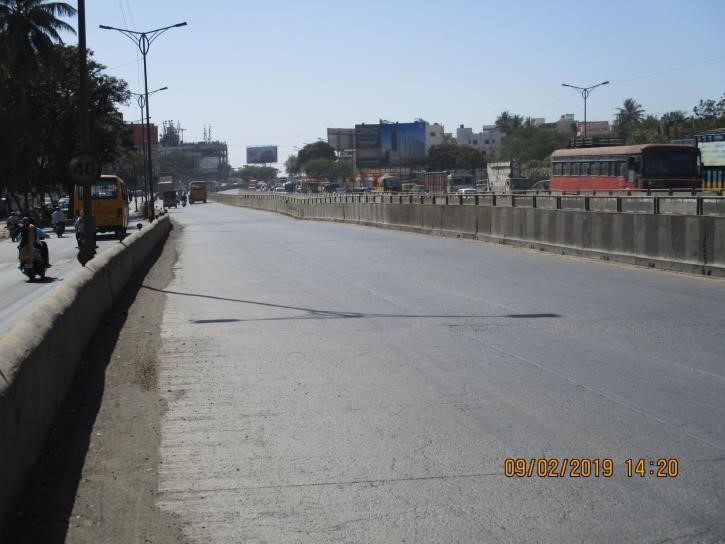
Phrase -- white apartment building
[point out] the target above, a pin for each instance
(434, 135)
(488, 141)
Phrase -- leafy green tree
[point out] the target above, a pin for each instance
(451, 156)
(647, 131)
(531, 143)
(442, 157)
(43, 122)
(536, 170)
(319, 168)
(709, 114)
(250, 172)
(469, 158)
(675, 124)
(29, 29)
(508, 122)
(291, 165)
(317, 150)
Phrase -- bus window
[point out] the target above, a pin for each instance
(670, 164)
(566, 170)
(584, 167)
(101, 189)
(557, 168)
(575, 169)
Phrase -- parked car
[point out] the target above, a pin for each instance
(279, 190)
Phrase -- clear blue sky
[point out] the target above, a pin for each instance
(282, 71)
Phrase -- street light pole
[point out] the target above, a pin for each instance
(141, 99)
(143, 41)
(585, 92)
(88, 250)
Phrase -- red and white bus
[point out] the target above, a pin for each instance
(628, 167)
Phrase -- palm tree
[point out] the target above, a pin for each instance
(507, 122)
(28, 31)
(630, 112)
(674, 123)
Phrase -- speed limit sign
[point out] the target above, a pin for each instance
(84, 168)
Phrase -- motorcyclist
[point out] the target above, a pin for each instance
(58, 217)
(14, 225)
(30, 231)
(183, 198)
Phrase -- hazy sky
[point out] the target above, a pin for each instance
(281, 72)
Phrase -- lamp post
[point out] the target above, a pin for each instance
(585, 91)
(143, 41)
(141, 99)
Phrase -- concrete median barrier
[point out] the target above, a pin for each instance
(39, 355)
(584, 226)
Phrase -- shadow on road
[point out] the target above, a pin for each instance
(43, 514)
(312, 313)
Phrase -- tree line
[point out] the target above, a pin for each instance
(39, 110)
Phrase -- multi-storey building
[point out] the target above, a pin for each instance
(488, 141)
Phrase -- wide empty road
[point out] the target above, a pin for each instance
(334, 383)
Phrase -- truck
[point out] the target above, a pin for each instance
(167, 193)
(435, 182)
(505, 177)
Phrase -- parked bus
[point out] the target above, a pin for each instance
(197, 191)
(630, 167)
(109, 200)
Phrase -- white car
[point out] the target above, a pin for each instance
(466, 191)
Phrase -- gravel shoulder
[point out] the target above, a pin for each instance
(97, 479)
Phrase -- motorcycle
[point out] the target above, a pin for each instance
(59, 229)
(32, 267)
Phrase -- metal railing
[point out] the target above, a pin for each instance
(667, 203)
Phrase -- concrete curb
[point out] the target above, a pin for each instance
(39, 356)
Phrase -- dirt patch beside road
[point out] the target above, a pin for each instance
(98, 476)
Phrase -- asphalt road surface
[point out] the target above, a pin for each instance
(18, 296)
(333, 383)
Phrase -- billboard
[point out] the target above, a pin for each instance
(367, 146)
(261, 154)
(390, 144)
(712, 153)
(341, 138)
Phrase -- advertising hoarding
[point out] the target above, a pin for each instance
(403, 144)
(367, 146)
(341, 138)
(390, 144)
(712, 153)
(261, 154)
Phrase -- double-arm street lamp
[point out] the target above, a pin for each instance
(585, 91)
(143, 41)
(141, 99)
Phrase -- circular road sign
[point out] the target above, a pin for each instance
(84, 168)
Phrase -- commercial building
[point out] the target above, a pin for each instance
(488, 141)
